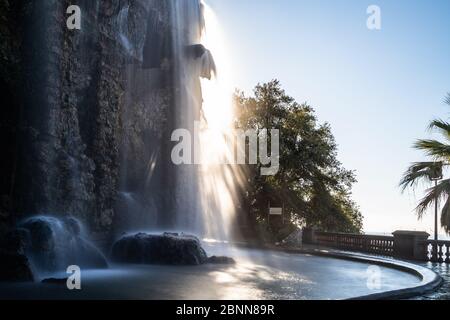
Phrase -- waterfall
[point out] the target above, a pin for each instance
(205, 193)
(188, 26)
(53, 244)
(178, 78)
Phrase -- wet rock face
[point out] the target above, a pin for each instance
(167, 249)
(81, 107)
(61, 154)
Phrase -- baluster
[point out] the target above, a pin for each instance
(441, 253)
(430, 251)
(434, 252)
(447, 253)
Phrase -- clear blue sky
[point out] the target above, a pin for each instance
(377, 89)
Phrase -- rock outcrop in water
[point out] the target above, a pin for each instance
(168, 248)
(221, 260)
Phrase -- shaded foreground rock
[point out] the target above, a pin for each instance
(168, 248)
(14, 264)
(15, 267)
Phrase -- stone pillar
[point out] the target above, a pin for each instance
(309, 235)
(408, 244)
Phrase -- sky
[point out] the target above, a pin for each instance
(377, 88)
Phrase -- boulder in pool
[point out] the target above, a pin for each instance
(165, 249)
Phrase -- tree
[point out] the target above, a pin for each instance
(312, 184)
(439, 153)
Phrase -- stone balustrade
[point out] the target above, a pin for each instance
(383, 245)
(410, 245)
(437, 251)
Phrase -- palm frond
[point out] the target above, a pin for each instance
(445, 216)
(447, 99)
(434, 148)
(437, 193)
(416, 172)
(442, 126)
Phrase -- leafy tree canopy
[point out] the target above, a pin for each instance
(312, 185)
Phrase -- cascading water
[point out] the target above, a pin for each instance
(184, 55)
(53, 244)
(188, 26)
(206, 109)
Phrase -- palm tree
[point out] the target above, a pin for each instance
(439, 152)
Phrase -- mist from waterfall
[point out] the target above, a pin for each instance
(219, 177)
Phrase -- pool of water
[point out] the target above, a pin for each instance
(257, 275)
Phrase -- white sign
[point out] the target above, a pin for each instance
(276, 211)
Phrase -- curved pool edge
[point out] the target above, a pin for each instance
(430, 280)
